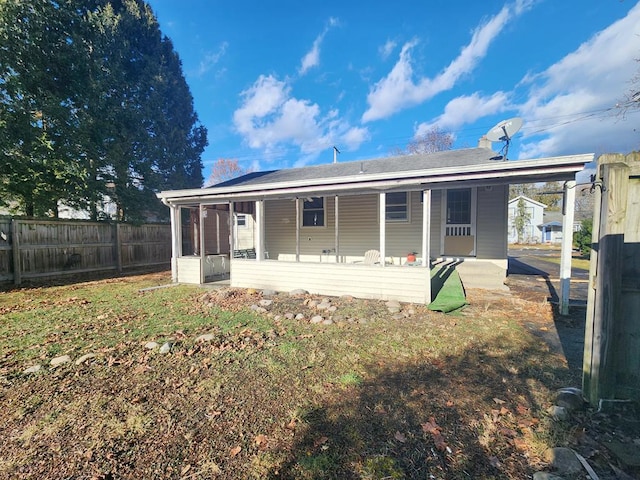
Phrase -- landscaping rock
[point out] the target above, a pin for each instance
(558, 413)
(323, 306)
(269, 293)
(300, 316)
(570, 398)
(317, 319)
(398, 316)
(84, 358)
(346, 298)
(151, 345)
(563, 460)
(298, 291)
(393, 304)
(265, 302)
(332, 308)
(311, 303)
(546, 476)
(206, 337)
(289, 316)
(59, 360)
(328, 321)
(32, 369)
(166, 347)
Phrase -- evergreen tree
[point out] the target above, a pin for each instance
(100, 110)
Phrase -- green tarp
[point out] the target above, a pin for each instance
(446, 285)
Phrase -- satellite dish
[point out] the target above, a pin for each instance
(504, 132)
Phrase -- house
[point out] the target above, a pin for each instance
(312, 226)
(533, 212)
(551, 227)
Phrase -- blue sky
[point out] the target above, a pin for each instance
(278, 84)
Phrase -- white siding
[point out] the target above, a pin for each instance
(189, 270)
(406, 284)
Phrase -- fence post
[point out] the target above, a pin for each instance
(15, 250)
(118, 249)
(608, 282)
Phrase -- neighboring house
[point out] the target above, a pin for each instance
(313, 225)
(534, 212)
(551, 228)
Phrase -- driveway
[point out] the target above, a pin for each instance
(536, 265)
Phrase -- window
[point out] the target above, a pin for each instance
(459, 206)
(313, 212)
(241, 220)
(397, 207)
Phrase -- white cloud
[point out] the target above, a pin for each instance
(466, 110)
(572, 103)
(211, 59)
(312, 57)
(398, 90)
(387, 49)
(271, 120)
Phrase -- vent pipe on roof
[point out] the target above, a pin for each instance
(335, 154)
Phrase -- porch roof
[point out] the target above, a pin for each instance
(471, 166)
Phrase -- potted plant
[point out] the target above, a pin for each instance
(411, 257)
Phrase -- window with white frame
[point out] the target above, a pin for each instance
(313, 212)
(241, 221)
(459, 206)
(397, 207)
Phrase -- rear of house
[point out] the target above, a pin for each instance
(311, 228)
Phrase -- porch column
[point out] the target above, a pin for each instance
(426, 228)
(201, 241)
(337, 239)
(568, 209)
(232, 227)
(297, 229)
(383, 228)
(260, 230)
(176, 240)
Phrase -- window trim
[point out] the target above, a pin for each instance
(407, 205)
(244, 217)
(324, 213)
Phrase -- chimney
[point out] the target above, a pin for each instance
(484, 142)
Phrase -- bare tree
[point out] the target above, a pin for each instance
(434, 140)
(225, 169)
(631, 99)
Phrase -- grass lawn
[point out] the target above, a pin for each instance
(369, 396)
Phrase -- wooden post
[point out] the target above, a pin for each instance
(118, 241)
(15, 246)
(606, 309)
(591, 293)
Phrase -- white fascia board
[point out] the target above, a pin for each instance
(551, 165)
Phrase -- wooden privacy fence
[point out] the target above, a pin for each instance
(611, 369)
(32, 249)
